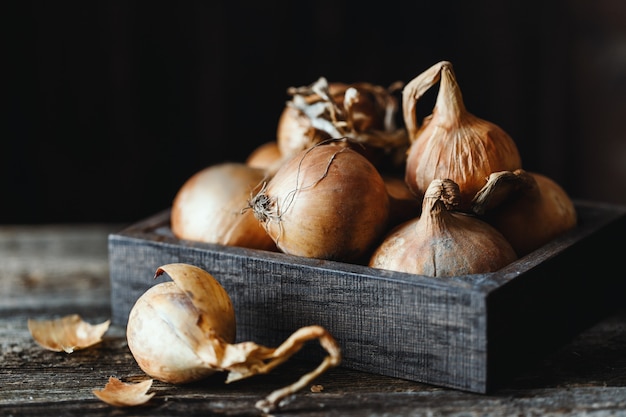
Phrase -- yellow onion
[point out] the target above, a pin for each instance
(442, 242)
(265, 156)
(361, 111)
(327, 202)
(402, 202)
(451, 142)
(183, 330)
(210, 207)
(169, 323)
(528, 208)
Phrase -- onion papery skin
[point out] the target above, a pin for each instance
(466, 158)
(443, 243)
(327, 202)
(171, 322)
(363, 112)
(452, 143)
(535, 210)
(211, 207)
(295, 131)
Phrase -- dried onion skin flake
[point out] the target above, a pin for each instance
(121, 394)
(66, 334)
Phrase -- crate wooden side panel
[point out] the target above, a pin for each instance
(469, 332)
(409, 328)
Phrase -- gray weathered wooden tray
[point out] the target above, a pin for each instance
(467, 332)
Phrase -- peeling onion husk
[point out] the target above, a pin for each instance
(364, 112)
(182, 331)
(528, 208)
(327, 202)
(452, 143)
(442, 242)
(168, 324)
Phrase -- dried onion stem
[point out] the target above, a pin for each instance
(361, 111)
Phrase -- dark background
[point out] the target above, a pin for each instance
(111, 106)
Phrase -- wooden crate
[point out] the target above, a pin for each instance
(467, 332)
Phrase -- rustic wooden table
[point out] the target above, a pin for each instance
(51, 271)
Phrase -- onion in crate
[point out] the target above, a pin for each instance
(326, 202)
(211, 207)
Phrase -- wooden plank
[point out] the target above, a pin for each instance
(67, 262)
(587, 376)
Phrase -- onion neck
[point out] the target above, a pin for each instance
(435, 218)
(527, 186)
(449, 105)
(440, 197)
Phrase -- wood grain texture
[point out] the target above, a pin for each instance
(584, 377)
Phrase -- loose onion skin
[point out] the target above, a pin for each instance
(452, 143)
(210, 207)
(327, 202)
(442, 242)
(528, 208)
(361, 111)
(296, 130)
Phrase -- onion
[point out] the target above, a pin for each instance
(265, 156)
(210, 207)
(442, 242)
(296, 131)
(183, 330)
(528, 208)
(169, 323)
(403, 205)
(327, 202)
(452, 143)
(362, 111)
